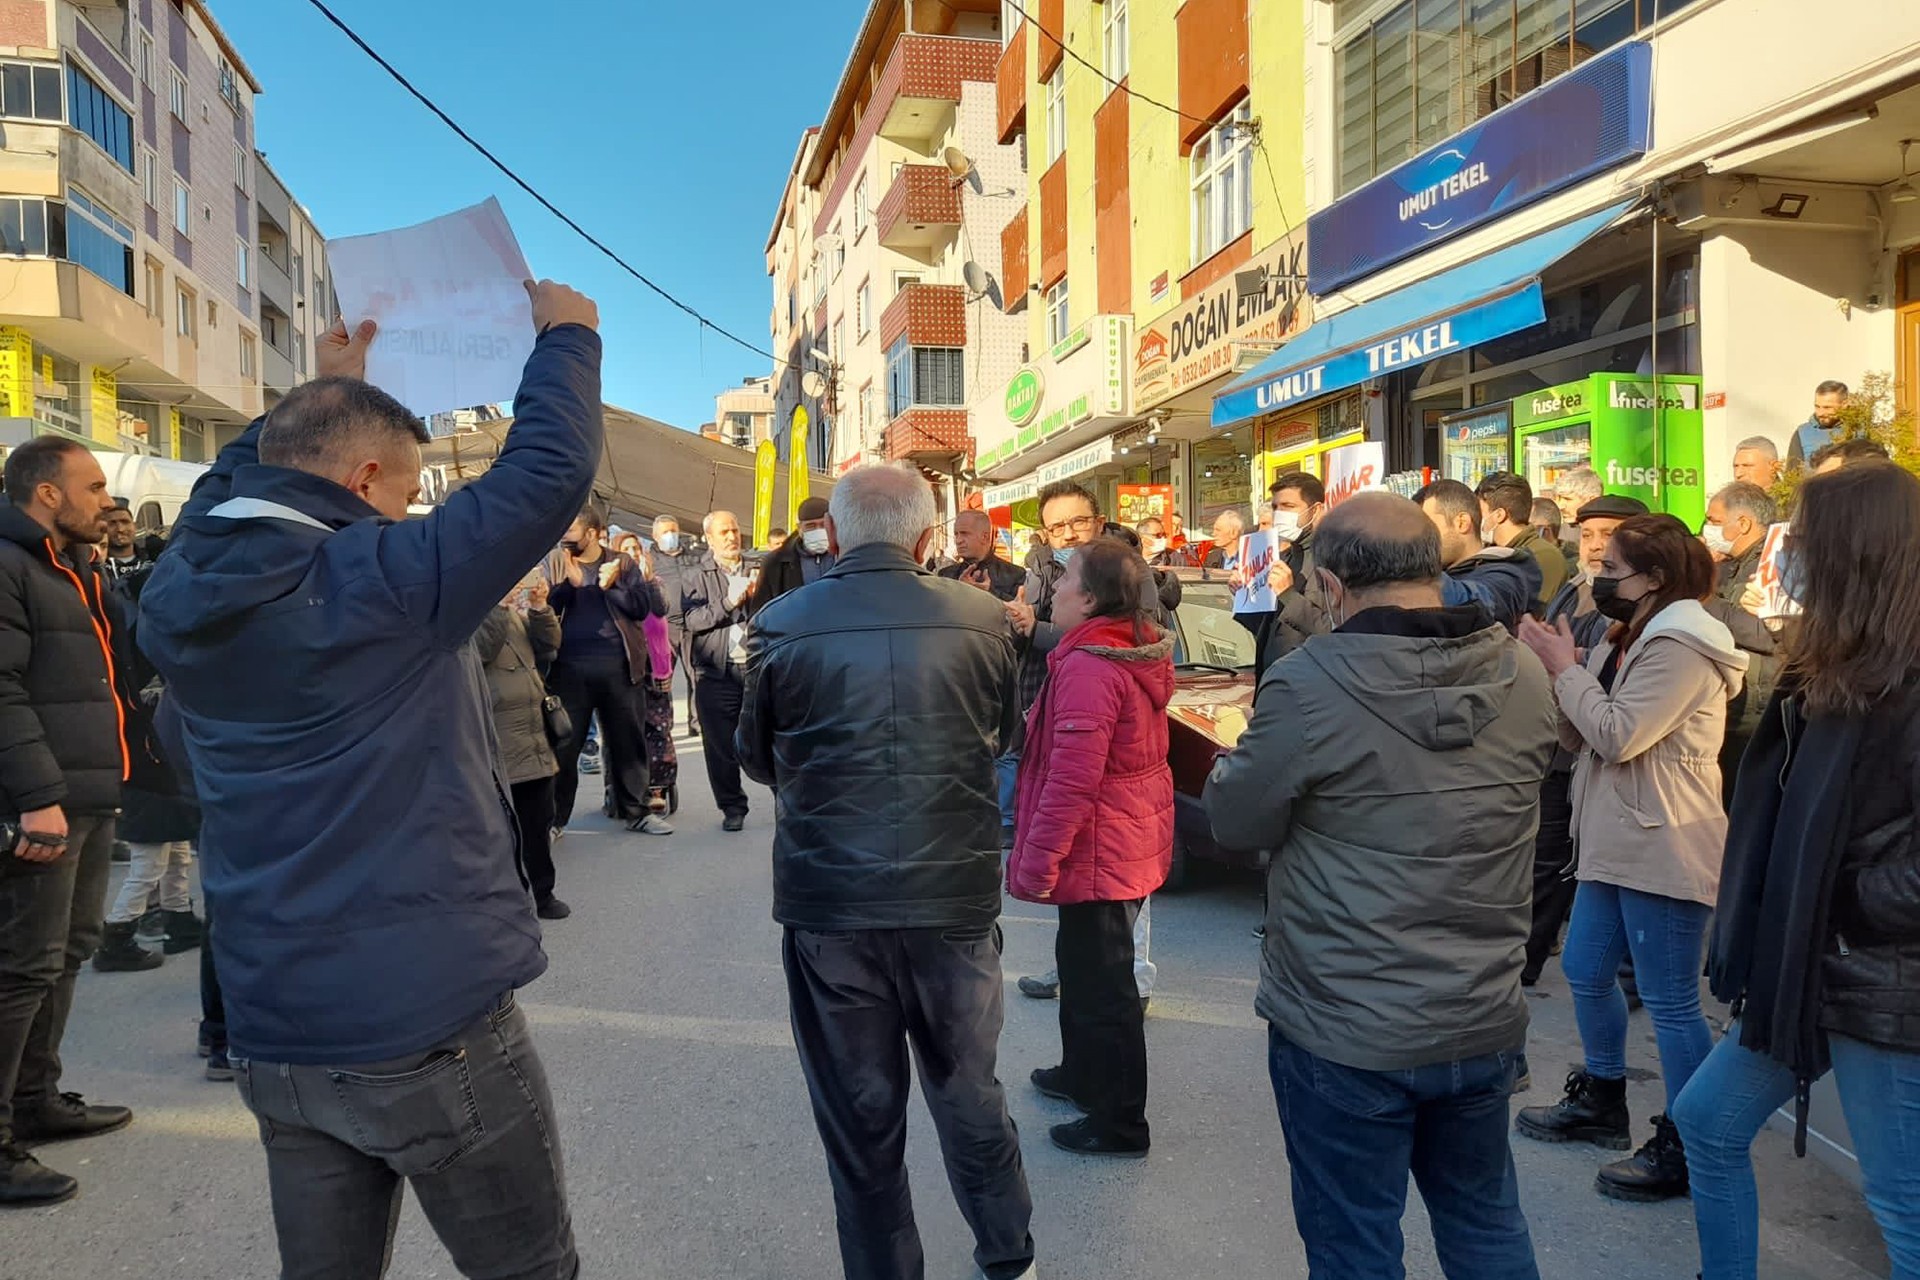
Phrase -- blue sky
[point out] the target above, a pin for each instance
(664, 128)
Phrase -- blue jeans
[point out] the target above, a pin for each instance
(1666, 937)
(1354, 1136)
(1723, 1108)
(1007, 770)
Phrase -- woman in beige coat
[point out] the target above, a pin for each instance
(1646, 716)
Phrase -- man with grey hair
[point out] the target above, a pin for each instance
(1571, 492)
(717, 594)
(672, 563)
(880, 741)
(1756, 460)
(1224, 551)
(1394, 767)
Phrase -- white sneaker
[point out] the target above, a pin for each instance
(653, 825)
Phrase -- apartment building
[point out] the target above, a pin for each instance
(1160, 246)
(131, 319)
(291, 265)
(884, 254)
(743, 415)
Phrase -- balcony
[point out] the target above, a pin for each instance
(274, 284)
(1011, 91)
(926, 315)
(921, 209)
(1015, 262)
(929, 437)
(921, 84)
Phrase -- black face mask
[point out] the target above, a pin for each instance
(1608, 600)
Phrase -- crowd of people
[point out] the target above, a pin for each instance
(1492, 726)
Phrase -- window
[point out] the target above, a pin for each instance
(820, 280)
(185, 310)
(96, 114)
(30, 91)
(243, 266)
(177, 96)
(1010, 21)
(240, 168)
(863, 309)
(861, 209)
(1222, 184)
(213, 314)
(1114, 39)
(246, 355)
(838, 348)
(866, 414)
(150, 177)
(1057, 113)
(1057, 313)
(322, 313)
(99, 240)
(905, 279)
(156, 287)
(299, 354)
(924, 376)
(839, 252)
(182, 208)
(146, 60)
(229, 85)
(33, 228)
(271, 329)
(299, 275)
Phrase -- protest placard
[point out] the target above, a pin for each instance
(1353, 468)
(1138, 501)
(456, 325)
(1255, 558)
(1775, 602)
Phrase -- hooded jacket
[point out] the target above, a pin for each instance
(1504, 582)
(1095, 808)
(1546, 553)
(1647, 809)
(1394, 767)
(61, 718)
(359, 848)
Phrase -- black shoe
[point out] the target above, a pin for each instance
(185, 932)
(734, 822)
(1052, 1083)
(1040, 988)
(1144, 1002)
(151, 924)
(219, 1067)
(65, 1117)
(25, 1183)
(1594, 1110)
(121, 852)
(551, 908)
(1529, 979)
(1083, 1139)
(1657, 1171)
(119, 953)
(203, 1044)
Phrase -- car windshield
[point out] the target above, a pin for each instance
(1208, 633)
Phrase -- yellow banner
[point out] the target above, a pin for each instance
(173, 433)
(16, 371)
(106, 407)
(796, 466)
(765, 459)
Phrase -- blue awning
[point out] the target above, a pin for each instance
(1485, 299)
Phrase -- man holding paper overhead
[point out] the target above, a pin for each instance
(358, 847)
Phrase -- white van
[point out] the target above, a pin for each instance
(155, 488)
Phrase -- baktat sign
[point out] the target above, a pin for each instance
(1264, 302)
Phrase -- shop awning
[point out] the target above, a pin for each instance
(1482, 300)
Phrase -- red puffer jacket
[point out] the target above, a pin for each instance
(1095, 813)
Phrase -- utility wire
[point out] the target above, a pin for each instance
(522, 183)
(1126, 89)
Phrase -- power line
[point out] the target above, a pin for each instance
(522, 183)
(1126, 89)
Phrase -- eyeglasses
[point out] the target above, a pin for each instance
(1079, 524)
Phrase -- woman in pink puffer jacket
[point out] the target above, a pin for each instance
(1095, 833)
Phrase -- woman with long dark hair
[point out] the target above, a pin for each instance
(1817, 938)
(1094, 834)
(1646, 717)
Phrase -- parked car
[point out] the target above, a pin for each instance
(1213, 696)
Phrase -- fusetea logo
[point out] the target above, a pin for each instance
(1649, 477)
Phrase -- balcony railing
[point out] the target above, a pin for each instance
(927, 315)
(920, 209)
(926, 434)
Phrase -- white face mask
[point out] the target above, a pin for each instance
(1488, 537)
(1715, 536)
(814, 541)
(1287, 526)
(668, 542)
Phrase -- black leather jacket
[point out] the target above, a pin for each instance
(1871, 973)
(876, 702)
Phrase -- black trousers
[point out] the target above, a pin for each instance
(683, 654)
(1553, 883)
(858, 1000)
(213, 1006)
(602, 686)
(1103, 1036)
(719, 695)
(533, 807)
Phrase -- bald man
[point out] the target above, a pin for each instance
(715, 591)
(980, 564)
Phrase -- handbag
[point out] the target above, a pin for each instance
(559, 723)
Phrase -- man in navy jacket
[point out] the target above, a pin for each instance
(358, 845)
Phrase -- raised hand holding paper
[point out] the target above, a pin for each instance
(450, 297)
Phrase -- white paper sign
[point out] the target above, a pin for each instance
(456, 326)
(1354, 468)
(1775, 603)
(1256, 557)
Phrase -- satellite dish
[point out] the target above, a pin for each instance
(957, 162)
(979, 279)
(813, 384)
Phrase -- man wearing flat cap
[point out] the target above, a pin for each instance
(797, 564)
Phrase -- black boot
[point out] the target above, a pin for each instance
(25, 1183)
(119, 953)
(185, 931)
(1657, 1171)
(1594, 1110)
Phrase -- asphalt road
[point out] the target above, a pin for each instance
(691, 1152)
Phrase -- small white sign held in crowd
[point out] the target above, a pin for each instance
(1774, 602)
(1255, 558)
(1354, 468)
(456, 326)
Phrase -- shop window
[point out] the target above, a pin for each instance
(1222, 184)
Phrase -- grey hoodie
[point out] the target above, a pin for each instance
(1394, 768)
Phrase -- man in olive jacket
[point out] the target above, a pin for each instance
(1394, 766)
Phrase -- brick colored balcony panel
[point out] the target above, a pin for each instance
(1012, 89)
(931, 70)
(924, 434)
(1015, 263)
(921, 209)
(928, 315)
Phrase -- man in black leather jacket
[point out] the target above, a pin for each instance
(880, 739)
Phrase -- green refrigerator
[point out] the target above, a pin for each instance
(1610, 422)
